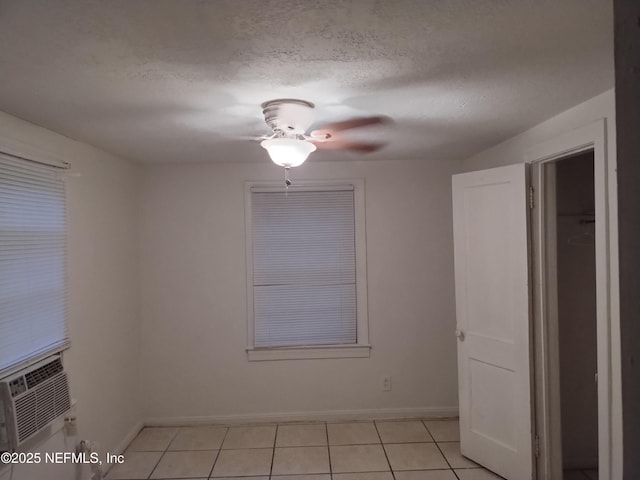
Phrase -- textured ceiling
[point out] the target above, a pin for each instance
(182, 80)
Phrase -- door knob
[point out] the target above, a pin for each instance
(460, 335)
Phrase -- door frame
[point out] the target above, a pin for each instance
(545, 328)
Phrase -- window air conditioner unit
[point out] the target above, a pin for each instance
(33, 398)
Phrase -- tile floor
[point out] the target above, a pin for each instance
(382, 450)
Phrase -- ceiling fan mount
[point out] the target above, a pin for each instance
(288, 115)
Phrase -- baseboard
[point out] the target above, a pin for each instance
(323, 416)
(118, 449)
(124, 443)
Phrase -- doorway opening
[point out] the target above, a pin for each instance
(577, 337)
(569, 278)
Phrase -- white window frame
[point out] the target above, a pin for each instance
(24, 153)
(362, 347)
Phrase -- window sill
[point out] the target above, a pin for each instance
(305, 353)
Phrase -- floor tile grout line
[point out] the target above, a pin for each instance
(214, 464)
(440, 450)
(259, 448)
(292, 446)
(430, 434)
(226, 431)
(333, 445)
(273, 452)
(163, 453)
(326, 432)
(304, 446)
(446, 459)
(393, 474)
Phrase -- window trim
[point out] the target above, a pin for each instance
(23, 152)
(359, 349)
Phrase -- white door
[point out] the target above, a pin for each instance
(490, 211)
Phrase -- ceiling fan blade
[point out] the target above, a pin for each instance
(336, 136)
(256, 138)
(335, 127)
(343, 144)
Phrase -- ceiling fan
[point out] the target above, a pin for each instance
(289, 145)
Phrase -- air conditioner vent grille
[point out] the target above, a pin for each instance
(39, 407)
(26, 416)
(62, 400)
(30, 410)
(43, 373)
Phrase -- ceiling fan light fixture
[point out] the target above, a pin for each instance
(288, 152)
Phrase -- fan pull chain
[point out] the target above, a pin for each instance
(287, 180)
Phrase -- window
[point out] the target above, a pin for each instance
(33, 307)
(306, 271)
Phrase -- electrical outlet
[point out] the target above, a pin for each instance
(70, 425)
(386, 383)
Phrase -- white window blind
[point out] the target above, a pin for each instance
(33, 306)
(304, 267)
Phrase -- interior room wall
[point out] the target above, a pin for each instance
(513, 150)
(577, 311)
(103, 360)
(194, 312)
(627, 62)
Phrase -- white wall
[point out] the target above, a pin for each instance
(193, 293)
(512, 151)
(103, 360)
